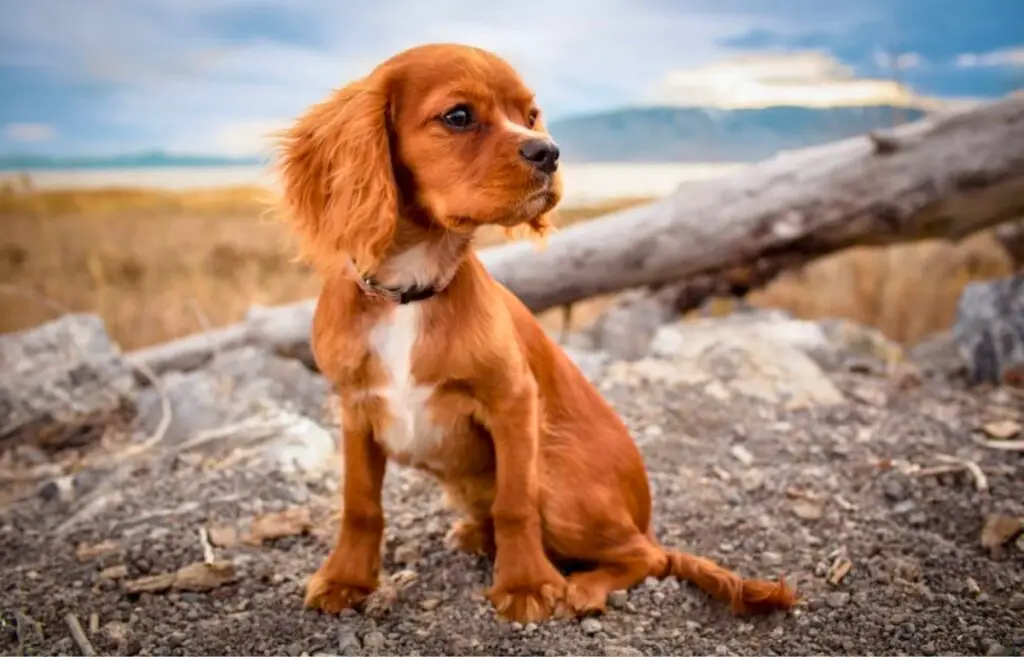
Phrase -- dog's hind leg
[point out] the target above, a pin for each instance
(619, 568)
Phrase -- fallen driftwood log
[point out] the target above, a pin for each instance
(945, 176)
(283, 330)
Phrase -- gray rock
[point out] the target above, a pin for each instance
(989, 330)
(993, 648)
(348, 642)
(61, 381)
(626, 329)
(618, 599)
(230, 388)
(247, 398)
(739, 358)
(838, 599)
(938, 355)
(590, 362)
(590, 625)
(373, 641)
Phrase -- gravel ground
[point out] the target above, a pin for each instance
(815, 494)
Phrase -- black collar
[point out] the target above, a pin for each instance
(401, 296)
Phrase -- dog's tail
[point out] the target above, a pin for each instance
(743, 595)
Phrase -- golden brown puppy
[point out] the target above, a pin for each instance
(439, 367)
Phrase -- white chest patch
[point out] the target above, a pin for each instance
(410, 432)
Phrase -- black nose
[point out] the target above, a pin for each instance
(541, 153)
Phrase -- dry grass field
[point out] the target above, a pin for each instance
(161, 264)
(157, 264)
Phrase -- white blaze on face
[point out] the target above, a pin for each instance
(522, 130)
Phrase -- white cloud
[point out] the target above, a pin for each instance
(811, 79)
(1009, 57)
(28, 133)
(169, 81)
(182, 88)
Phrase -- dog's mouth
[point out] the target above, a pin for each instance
(529, 207)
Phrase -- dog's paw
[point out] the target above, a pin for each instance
(582, 600)
(531, 603)
(333, 596)
(470, 536)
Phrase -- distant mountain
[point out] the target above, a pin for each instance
(689, 134)
(17, 162)
(651, 134)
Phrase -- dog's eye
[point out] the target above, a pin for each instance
(531, 118)
(459, 117)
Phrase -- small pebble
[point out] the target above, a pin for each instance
(1016, 602)
(906, 506)
(618, 599)
(894, 490)
(373, 641)
(752, 480)
(807, 510)
(348, 642)
(742, 454)
(590, 625)
(838, 599)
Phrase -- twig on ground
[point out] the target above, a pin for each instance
(204, 540)
(1005, 445)
(980, 480)
(219, 433)
(27, 629)
(166, 414)
(90, 509)
(953, 465)
(844, 503)
(103, 496)
(182, 509)
(938, 470)
(78, 634)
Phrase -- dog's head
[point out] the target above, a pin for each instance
(443, 132)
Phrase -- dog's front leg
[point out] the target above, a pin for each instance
(527, 587)
(351, 572)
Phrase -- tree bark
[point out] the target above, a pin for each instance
(948, 176)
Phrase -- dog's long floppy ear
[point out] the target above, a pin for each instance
(337, 179)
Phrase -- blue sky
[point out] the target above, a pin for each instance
(214, 76)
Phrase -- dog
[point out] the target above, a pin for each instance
(439, 367)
